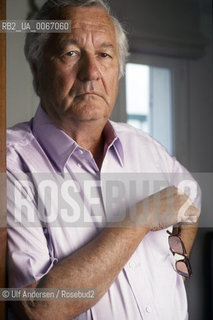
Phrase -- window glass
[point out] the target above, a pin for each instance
(149, 101)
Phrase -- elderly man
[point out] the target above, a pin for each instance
(125, 257)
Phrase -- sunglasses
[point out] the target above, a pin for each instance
(178, 250)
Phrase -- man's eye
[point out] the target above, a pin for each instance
(70, 53)
(105, 55)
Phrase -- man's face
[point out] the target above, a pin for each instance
(79, 76)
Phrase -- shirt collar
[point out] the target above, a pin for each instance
(113, 141)
(60, 147)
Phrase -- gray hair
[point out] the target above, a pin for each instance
(35, 42)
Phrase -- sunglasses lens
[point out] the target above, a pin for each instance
(175, 244)
(182, 268)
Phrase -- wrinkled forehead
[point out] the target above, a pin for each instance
(85, 20)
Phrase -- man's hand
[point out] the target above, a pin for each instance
(163, 209)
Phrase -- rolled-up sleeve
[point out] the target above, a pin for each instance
(29, 255)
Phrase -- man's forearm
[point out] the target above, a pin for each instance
(96, 265)
(188, 234)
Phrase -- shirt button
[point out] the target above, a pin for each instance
(148, 309)
(81, 151)
(131, 264)
(79, 165)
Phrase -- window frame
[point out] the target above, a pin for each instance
(180, 106)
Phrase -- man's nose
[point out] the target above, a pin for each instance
(88, 69)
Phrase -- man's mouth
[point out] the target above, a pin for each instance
(88, 93)
(81, 94)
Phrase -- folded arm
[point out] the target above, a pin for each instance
(97, 264)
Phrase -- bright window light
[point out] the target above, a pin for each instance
(149, 101)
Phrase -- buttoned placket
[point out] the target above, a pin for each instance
(82, 165)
